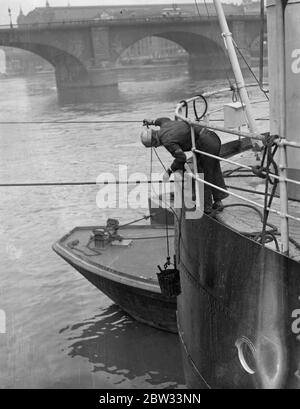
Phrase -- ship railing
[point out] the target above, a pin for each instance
(282, 178)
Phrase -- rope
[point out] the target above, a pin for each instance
(147, 238)
(295, 243)
(166, 212)
(270, 160)
(261, 42)
(251, 71)
(67, 122)
(197, 7)
(179, 220)
(185, 104)
(272, 226)
(167, 232)
(117, 182)
(161, 162)
(145, 217)
(151, 162)
(206, 8)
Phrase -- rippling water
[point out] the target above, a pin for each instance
(61, 331)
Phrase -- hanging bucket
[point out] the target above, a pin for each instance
(169, 282)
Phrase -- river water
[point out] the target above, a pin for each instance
(60, 330)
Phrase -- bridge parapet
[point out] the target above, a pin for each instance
(129, 21)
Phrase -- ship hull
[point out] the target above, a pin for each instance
(238, 313)
(148, 307)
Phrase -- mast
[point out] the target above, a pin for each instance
(276, 66)
(292, 86)
(276, 73)
(235, 66)
(261, 43)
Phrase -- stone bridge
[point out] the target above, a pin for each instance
(84, 53)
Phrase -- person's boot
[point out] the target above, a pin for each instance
(218, 206)
(208, 210)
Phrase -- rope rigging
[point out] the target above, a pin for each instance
(265, 92)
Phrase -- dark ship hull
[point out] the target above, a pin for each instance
(238, 313)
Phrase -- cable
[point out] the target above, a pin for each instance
(32, 184)
(272, 226)
(206, 7)
(146, 217)
(295, 243)
(197, 7)
(148, 238)
(161, 162)
(261, 43)
(251, 71)
(167, 234)
(67, 122)
(198, 118)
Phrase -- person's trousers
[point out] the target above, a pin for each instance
(209, 142)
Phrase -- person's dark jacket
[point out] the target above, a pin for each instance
(175, 136)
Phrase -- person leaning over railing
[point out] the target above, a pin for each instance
(175, 136)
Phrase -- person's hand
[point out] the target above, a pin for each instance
(147, 122)
(166, 175)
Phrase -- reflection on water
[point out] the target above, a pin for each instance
(116, 344)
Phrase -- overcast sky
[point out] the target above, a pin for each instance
(28, 5)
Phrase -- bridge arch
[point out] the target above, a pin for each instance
(206, 55)
(68, 68)
(152, 48)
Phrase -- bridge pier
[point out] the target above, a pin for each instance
(91, 76)
(86, 85)
(76, 78)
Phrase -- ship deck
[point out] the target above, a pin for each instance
(136, 257)
(247, 220)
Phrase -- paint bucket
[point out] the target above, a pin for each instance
(169, 282)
